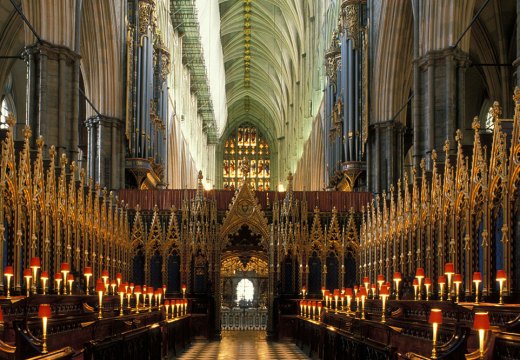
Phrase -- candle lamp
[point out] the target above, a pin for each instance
(125, 284)
(355, 290)
(342, 298)
(132, 286)
(8, 273)
(150, 296)
(366, 282)
(435, 319)
(178, 306)
(185, 306)
(113, 285)
(27, 274)
(384, 293)
(87, 273)
(44, 312)
(477, 279)
(358, 297)
(397, 280)
(481, 323)
(441, 282)
(167, 307)
(348, 295)
(128, 295)
(121, 290)
(100, 287)
(301, 307)
(449, 271)
(159, 295)
(44, 277)
(183, 291)
(457, 280)
(501, 277)
(105, 276)
(64, 269)
(373, 287)
(336, 297)
(363, 295)
(427, 285)
(58, 278)
(323, 292)
(319, 310)
(35, 264)
(164, 290)
(119, 279)
(70, 280)
(304, 290)
(380, 281)
(419, 274)
(313, 309)
(415, 284)
(137, 292)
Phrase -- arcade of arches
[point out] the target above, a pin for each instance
(332, 179)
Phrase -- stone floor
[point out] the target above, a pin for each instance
(242, 345)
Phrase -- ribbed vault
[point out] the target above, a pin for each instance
(275, 46)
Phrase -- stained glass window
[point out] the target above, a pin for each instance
(247, 144)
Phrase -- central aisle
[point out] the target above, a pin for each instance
(243, 345)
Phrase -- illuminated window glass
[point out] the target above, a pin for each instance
(245, 290)
(247, 143)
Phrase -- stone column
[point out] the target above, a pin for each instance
(52, 95)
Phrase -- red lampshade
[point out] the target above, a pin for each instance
(449, 268)
(327, 293)
(397, 276)
(27, 273)
(442, 279)
(427, 281)
(119, 276)
(477, 276)
(44, 275)
(129, 291)
(58, 276)
(481, 321)
(121, 289)
(384, 291)
(183, 286)
(336, 292)
(362, 291)
(435, 316)
(132, 285)
(88, 270)
(44, 311)
(415, 282)
(373, 286)
(113, 283)
(320, 305)
(150, 290)
(348, 292)
(457, 278)
(35, 262)
(138, 290)
(164, 286)
(8, 270)
(380, 278)
(70, 277)
(419, 273)
(100, 287)
(501, 275)
(104, 274)
(65, 267)
(356, 287)
(366, 280)
(388, 285)
(166, 302)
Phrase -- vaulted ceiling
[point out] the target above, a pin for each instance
(262, 50)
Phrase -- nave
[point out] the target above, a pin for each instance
(250, 345)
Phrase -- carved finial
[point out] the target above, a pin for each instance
(434, 155)
(496, 110)
(73, 167)
(105, 191)
(446, 146)
(384, 194)
(82, 175)
(422, 164)
(137, 208)
(111, 195)
(414, 171)
(458, 136)
(475, 125)
(52, 151)
(63, 160)
(27, 132)
(392, 189)
(39, 142)
(516, 96)
(200, 177)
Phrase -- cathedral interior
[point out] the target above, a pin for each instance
(260, 179)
